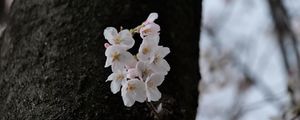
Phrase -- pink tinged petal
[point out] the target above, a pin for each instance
(110, 33)
(106, 45)
(115, 86)
(155, 80)
(149, 29)
(126, 39)
(132, 73)
(152, 39)
(153, 94)
(151, 17)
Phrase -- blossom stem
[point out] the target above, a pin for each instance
(151, 106)
(136, 29)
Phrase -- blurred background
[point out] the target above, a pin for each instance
(249, 60)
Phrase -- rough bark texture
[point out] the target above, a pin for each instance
(52, 58)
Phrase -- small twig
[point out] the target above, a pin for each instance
(151, 106)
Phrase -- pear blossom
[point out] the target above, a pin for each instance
(117, 79)
(147, 48)
(123, 38)
(117, 57)
(133, 90)
(149, 27)
(157, 61)
(152, 92)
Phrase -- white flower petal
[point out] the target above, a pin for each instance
(117, 66)
(126, 58)
(140, 91)
(143, 57)
(115, 86)
(162, 51)
(162, 67)
(110, 33)
(155, 80)
(108, 62)
(126, 39)
(132, 73)
(146, 50)
(149, 29)
(127, 99)
(165, 65)
(143, 70)
(152, 17)
(111, 77)
(131, 63)
(153, 94)
(152, 39)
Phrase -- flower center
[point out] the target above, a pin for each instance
(130, 87)
(118, 40)
(147, 30)
(145, 50)
(156, 59)
(150, 84)
(146, 72)
(115, 56)
(120, 77)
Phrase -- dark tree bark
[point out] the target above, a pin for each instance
(52, 59)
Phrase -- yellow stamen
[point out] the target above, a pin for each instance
(130, 87)
(150, 84)
(118, 40)
(145, 50)
(146, 72)
(115, 56)
(120, 77)
(156, 59)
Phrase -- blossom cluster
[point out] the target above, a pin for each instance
(137, 76)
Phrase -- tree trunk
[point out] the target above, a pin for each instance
(52, 59)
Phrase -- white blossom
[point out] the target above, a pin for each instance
(158, 63)
(137, 76)
(143, 70)
(133, 90)
(147, 48)
(117, 57)
(117, 79)
(151, 84)
(123, 38)
(149, 27)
